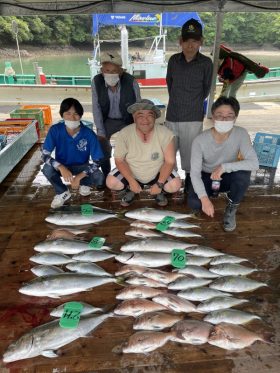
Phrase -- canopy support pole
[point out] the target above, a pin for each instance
(218, 34)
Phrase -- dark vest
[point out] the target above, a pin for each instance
(127, 96)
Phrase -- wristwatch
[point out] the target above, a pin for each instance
(160, 185)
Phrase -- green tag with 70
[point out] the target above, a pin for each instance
(163, 225)
(178, 258)
(97, 242)
(71, 315)
(86, 209)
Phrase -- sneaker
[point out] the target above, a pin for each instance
(127, 198)
(161, 200)
(84, 190)
(60, 199)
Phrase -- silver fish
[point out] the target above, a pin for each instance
(175, 224)
(206, 251)
(234, 269)
(154, 215)
(218, 303)
(194, 332)
(236, 284)
(63, 246)
(233, 337)
(142, 233)
(197, 260)
(156, 320)
(46, 270)
(87, 309)
(76, 218)
(93, 256)
(184, 283)
(175, 303)
(146, 341)
(85, 267)
(141, 291)
(148, 259)
(130, 269)
(230, 316)
(45, 339)
(225, 258)
(51, 258)
(137, 307)
(201, 294)
(160, 245)
(197, 271)
(55, 286)
(178, 232)
(138, 280)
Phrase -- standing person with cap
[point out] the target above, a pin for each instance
(144, 156)
(188, 78)
(113, 90)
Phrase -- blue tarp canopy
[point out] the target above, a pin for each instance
(170, 19)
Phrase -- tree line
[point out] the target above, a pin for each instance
(72, 30)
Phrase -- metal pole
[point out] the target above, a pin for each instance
(219, 27)
(15, 31)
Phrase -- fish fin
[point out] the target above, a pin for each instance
(268, 337)
(49, 353)
(55, 296)
(121, 281)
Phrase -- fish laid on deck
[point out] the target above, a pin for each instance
(87, 309)
(154, 215)
(219, 303)
(46, 270)
(160, 245)
(194, 332)
(90, 268)
(233, 337)
(230, 316)
(55, 286)
(145, 341)
(45, 339)
(156, 320)
(236, 284)
(76, 218)
(231, 269)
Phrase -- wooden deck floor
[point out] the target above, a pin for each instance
(23, 209)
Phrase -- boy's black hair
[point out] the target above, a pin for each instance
(230, 101)
(67, 103)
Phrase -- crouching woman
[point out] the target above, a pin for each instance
(223, 154)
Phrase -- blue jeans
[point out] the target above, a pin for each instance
(235, 184)
(54, 177)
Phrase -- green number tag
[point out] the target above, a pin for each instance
(178, 258)
(86, 209)
(164, 223)
(71, 315)
(96, 242)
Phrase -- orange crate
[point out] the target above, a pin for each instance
(47, 112)
(16, 122)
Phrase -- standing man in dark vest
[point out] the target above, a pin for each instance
(113, 90)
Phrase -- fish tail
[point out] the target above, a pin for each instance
(268, 337)
(121, 280)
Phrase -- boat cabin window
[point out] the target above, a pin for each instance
(139, 74)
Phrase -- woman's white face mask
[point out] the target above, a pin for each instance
(72, 124)
(223, 126)
(111, 79)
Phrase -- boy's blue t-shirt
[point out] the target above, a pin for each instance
(71, 151)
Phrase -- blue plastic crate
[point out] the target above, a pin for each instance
(267, 147)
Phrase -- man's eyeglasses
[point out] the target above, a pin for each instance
(227, 118)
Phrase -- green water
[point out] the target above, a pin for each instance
(76, 64)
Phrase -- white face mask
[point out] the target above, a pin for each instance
(223, 126)
(72, 124)
(111, 79)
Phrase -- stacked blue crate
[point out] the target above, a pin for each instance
(267, 147)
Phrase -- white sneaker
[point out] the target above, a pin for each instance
(84, 190)
(59, 199)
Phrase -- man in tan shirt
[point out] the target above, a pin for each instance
(144, 156)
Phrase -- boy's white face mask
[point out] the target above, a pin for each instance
(72, 124)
